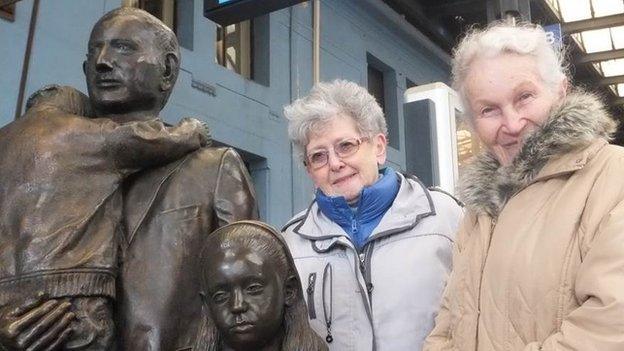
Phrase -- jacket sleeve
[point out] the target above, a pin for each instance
(234, 197)
(137, 145)
(440, 338)
(598, 323)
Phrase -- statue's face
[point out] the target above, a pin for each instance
(124, 66)
(245, 295)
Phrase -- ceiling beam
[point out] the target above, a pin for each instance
(599, 56)
(610, 80)
(593, 23)
(618, 101)
(456, 8)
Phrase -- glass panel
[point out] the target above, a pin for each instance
(612, 67)
(607, 7)
(597, 40)
(620, 90)
(233, 48)
(597, 67)
(617, 33)
(575, 10)
(467, 143)
(579, 39)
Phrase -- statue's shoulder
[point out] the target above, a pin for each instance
(216, 156)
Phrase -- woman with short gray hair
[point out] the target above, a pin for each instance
(373, 249)
(539, 258)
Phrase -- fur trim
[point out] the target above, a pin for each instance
(486, 186)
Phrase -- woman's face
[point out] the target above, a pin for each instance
(245, 295)
(345, 176)
(508, 100)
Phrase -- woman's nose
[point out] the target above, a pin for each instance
(514, 122)
(333, 161)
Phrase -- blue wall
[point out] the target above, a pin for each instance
(241, 113)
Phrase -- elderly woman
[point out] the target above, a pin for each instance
(539, 257)
(374, 248)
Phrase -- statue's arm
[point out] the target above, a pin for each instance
(235, 198)
(137, 145)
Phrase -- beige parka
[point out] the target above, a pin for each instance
(539, 258)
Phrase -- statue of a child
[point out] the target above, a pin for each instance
(251, 292)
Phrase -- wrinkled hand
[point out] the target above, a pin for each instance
(35, 325)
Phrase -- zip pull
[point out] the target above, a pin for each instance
(328, 276)
(310, 291)
(353, 226)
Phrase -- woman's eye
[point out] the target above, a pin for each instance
(525, 96)
(346, 146)
(488, 111)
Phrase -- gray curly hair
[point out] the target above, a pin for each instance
(503, 37)
(310, 113)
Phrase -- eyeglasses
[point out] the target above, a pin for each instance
(344, 148)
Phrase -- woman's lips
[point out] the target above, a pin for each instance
(343, 179)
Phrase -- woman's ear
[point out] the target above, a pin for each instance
(291, 288)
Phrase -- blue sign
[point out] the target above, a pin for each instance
(553, 34)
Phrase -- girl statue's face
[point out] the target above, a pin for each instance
(245, 295)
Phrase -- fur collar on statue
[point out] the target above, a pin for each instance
(486, 186)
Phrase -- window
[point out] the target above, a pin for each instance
(382, 84)
(234, 48)
(244, 48)
(176, 14)
(7, 12)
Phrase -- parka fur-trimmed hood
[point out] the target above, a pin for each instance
(486, 186)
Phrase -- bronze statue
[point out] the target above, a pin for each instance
(61, 205)
(131, 68)
(251, 293)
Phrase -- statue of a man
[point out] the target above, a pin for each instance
(131, 67)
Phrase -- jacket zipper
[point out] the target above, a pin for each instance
(487, 251)
(328, 275)
(310, 291)
(365, 266)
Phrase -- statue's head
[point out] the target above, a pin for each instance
(132, 62)
(63, 98)
(251, 292)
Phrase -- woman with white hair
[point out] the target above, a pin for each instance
(373, 250)
(539, 258)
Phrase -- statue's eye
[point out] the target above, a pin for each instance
(220, 297)
(255, 289)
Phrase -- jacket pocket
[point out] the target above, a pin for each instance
(310, 292)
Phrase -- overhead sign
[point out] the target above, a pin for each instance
(553, 35)
(225, 12)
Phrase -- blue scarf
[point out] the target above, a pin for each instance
(372, 204)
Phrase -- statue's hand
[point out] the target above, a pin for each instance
(35, 325)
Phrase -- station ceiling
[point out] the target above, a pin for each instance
(592, 30)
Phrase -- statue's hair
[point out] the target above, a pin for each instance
(165, 38)
(262, 238)
(310, 113)
(502, 37)
(63, 98)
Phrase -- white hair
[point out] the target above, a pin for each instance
(525, 39)
(326, 100)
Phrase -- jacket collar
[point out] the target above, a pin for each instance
(373, 202)
(572, 134)
(412, 203)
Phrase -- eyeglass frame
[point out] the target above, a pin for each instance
(359, 141)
